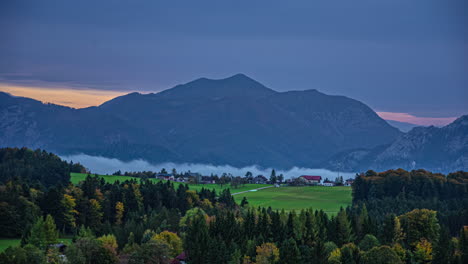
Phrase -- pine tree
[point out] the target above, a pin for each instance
(343, 230)
(244, 202)
(289, 252)
(43, 233)
(444, 248)
(273, 176)
(197, 240)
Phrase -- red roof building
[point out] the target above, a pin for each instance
(311, 178)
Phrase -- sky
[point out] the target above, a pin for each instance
(407, 60)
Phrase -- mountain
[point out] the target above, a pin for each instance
(236, 121)
(442, 149)
(402, 126)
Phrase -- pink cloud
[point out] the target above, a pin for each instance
(422, 121)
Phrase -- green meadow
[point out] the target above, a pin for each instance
(328, 199)
(78, 177)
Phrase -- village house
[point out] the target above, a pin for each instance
(180, 179)
(207, 179)
(260, 179)
(349, 182)
(328, 183)
(310, 179)
(165, 176)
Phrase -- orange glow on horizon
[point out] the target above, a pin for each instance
(76, 98)
(422, 121)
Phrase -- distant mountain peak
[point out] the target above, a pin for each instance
(240, 76)
(238, 85)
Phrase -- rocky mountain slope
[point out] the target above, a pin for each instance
(442, 149)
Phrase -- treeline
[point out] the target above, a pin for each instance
(35, 167)
(146, 222)
(400, 191)
(393, 219)
(97, 204)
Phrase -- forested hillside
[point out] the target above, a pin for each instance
(397, 217)
(399, 191)
(35, 167)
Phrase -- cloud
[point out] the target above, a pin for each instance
(76, 98)
(103, 165)
(422, 121)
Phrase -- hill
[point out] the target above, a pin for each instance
(36, 166)
(235, 121)
(442, 149)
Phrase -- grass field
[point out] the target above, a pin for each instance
(328, 199)
(11, 242)
(77, 177)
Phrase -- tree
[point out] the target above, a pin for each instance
(343, 231)
(381, 255)
(90, 251)
(368, 242)
(28, 254)
(226, 198)
(273, 176)
(350, 254)
(95, 214)
(392, 231)
(420, 224)
(109, 242)
(244, 202)
(289, 252)
(444, 249)
(153, 252)
(69, 212)
(463, 244)
(335, 256)
(267, 253)
(196, 239)
(43, 233)
(119, 212)
(329, 247)
(50, 231)
(280, 178)
(173, 241)
(423, 252)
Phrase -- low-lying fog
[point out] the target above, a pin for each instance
(102, 165)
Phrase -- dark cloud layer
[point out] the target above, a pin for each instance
(396, 56)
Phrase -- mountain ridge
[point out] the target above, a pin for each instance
(441, 149)
(236, 121)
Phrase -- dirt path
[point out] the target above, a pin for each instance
(254, 189)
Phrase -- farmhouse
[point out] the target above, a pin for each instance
(208, 179)
(165, 176)
(309, 179)
(349, 182)
(260, 179)
(328, 183)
